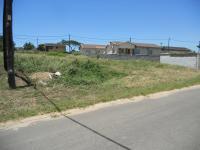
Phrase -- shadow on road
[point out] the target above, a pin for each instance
(83, 125)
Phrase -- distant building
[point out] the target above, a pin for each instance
(131, 49)
(128, 48)
(92, 49)
(147, 49)
(120, 48)
(54, 47)
(175, 50)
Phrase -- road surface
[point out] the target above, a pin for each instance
(167, 123)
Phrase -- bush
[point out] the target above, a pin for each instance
(87, 73)
(41, 47)
(28, 46)
(76, 72)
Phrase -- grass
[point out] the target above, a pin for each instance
(86, 81)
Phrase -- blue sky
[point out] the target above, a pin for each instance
(101, 21)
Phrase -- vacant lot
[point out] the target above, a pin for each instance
(85, 81)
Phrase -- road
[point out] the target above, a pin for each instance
(167, 123)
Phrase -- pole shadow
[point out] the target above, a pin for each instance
(83, 125)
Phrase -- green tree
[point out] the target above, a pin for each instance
(28, 46)
(74, 45)
(41, 47)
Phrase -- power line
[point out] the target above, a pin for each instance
(184, 41)
(45, 36)
(97, 38)
(55, 37)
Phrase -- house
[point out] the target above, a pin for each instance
(55, 47)
(175, 50)
(129, 48)
(92, 49)
(147, 49)
(120, 48)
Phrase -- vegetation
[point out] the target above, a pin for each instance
(28, 46)
(74, 45)
(41, 47)
(85, 81)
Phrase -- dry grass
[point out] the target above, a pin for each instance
(86, 81)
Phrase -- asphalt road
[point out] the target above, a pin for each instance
(168, 123)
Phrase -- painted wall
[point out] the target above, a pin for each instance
(128, 57)
(190, 62)
(92, 51)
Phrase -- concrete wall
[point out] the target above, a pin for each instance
(92, 51)
(128, 57)
(190, 61)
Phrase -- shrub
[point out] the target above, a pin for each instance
(28, 46)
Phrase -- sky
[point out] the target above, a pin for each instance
(102, 21)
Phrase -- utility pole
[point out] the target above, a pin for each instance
(37, 42)
(169, 40)
(4, 41)
(8, 43)
(69, 42)
(130, 39)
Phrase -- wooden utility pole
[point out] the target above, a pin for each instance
(8, 43)
(4, 41)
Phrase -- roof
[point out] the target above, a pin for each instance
(118, 43)
(146, 45)
(176, 48)
(92, 46)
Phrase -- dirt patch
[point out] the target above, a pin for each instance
(20, 82)
(44, 76)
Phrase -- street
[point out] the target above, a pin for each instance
(167, 123)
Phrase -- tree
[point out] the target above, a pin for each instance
(28, 46)
(74, 45)
(1, 43)
(41, 47)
